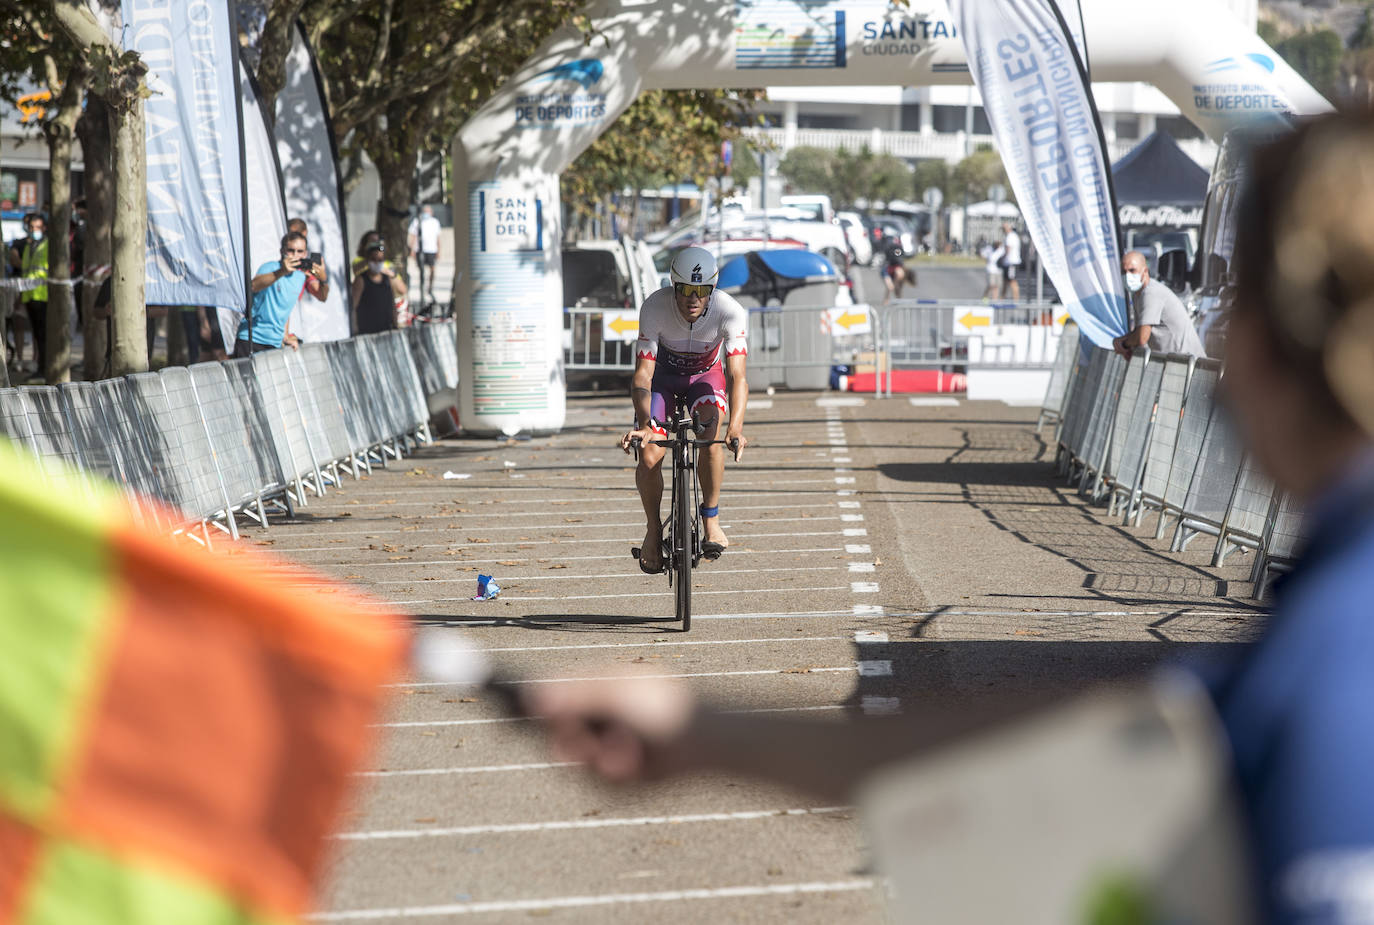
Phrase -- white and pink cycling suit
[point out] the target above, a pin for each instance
(688, 358)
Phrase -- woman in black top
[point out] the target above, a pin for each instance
(375, 291)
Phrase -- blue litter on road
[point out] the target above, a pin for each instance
(487, 588)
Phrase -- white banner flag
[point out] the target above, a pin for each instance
(1024, 61)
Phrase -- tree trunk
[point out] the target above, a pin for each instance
(94, 131)
(130, 233)
(120, 81)
(60, 129)
(395, 170)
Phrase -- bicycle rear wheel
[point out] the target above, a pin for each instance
(682, 545)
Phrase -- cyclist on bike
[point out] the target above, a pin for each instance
(691, 343)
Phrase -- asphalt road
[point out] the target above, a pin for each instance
(887, 555)
(932, 282)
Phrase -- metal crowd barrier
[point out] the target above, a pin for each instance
(794, 345)
(200, 447)
(1150, 435)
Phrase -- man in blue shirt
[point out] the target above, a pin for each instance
(276, 289)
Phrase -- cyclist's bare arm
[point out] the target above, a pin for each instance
(641, 395)
(739, 397)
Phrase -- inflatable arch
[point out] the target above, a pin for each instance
(507, 158)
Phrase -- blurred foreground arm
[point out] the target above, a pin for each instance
(644, 729)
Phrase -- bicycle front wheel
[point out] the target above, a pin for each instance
(682, 548)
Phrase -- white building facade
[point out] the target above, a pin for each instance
(947, 122)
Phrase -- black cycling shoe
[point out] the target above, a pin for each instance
(712, 551)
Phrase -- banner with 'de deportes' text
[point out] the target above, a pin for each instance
(195, 178)
(1025, 62)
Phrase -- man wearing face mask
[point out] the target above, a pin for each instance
(1162, 322)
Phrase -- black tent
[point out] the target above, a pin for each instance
(1158, 185)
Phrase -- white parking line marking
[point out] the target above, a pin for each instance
(477, 769)
(934, 402)
(852, 518)
(828, 402)
(564, 825)
(858, 549)
(842, 459)
(760, 404)
(854, 531)
(863, 587)
(601, 576)
(691, 674)
(875, 668)
(868, 610)
(848, 505)
(529, 719)
(601, 597)
(416, 563)
(870, 637)
(583, 902)
(661, 644)
(862, 567)
(880, 706)
(844, 480)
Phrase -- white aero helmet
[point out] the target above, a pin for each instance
(694, 266)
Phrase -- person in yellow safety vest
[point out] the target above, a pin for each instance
(35, 301)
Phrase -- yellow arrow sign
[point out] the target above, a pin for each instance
(849, 319)
(970, 320)
(621, 325)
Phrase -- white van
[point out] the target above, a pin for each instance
(816, 205)
(607, 274)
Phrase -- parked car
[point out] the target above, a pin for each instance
(817, 206)
(857, 234)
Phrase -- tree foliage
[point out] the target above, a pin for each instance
(977, 173)
(1317, 55)
(846, 176)
(401, 76)
(663, 137)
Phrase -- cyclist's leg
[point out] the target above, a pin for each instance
(649, 478)
(706, 400)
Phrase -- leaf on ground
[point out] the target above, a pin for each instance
(525, 546)
(878, 561)
(397, 558)
(477, 539)
(354, 501)
(418, 472)
(468, 700)
(796, 671)
(559, 565)
(387, 501)
(267, 542)
(511, 562)
(572, 520)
